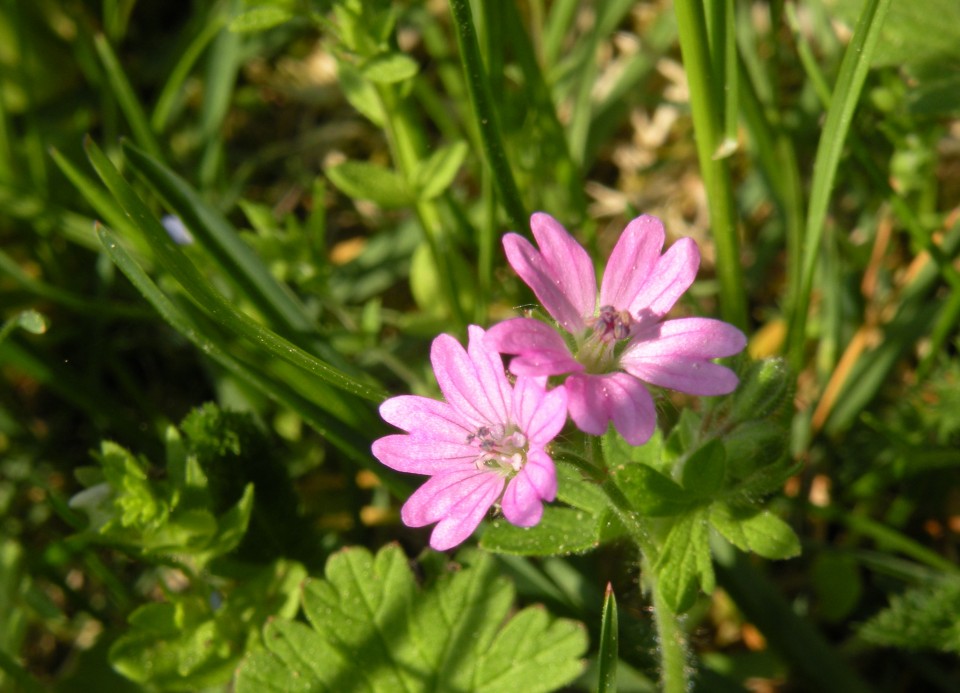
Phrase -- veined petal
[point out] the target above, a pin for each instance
(596, 400)
(568, 260)
(428, 417)
(458, 501)
(673, 274)
(560, 273)
(631, 262)
(447, 493)
(419, 454)
(477, 401)
(678, 357)
(539, 414)
(540, 348)
(522, 502)
(691, 338)
(490, 372)
(687, 375)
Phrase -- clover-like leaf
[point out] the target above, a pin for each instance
(755, 530)
(684, 562)
(372, 628)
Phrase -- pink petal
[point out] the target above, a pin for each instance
(451, 493)
(423, 455)
(673, 274)
(427, 417)
(540, 415)
(490, 372)
(479, 401)
(560, 274)
(678, 357)
(540, 348)
(631, 262)
(458, 501)
(523, 500)
(595, 400)
(693, 377)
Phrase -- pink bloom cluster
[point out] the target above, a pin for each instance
(487, 442)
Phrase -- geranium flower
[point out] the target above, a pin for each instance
(485, 444)
(621, 341)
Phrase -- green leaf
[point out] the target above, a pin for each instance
(365, 181)
(188, 643)
(371, 628)
(618, 451)
(575, 490)
(434, 175)
(609, 645)
(684, 562)
(388, 68)
(923, 618)
(651, 493)
(361, 94)
(754, 530)
(561, 531)
(703, 472)
(261, 18)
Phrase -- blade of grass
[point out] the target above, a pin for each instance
(707, 123)
(125, 96)
(349, 441)
(50, 292)
(174, 85)
(846, 95)
(172, 259)
(609, 646)
(221, 76)
(212, 231)
(558, 24)
(486, 117)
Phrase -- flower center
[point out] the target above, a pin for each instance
(609, 328)
(501, 448)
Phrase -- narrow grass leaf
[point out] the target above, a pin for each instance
(846, 94)
(123, 92)
(609, 645)
(171, 258)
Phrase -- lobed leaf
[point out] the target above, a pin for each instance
(371, 628)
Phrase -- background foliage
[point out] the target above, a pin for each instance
(187, 497)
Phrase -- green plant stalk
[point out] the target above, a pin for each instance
(707, 123)
(671, 641)
(405, 142)
(609, 645)
(843, 102)
(488, 124)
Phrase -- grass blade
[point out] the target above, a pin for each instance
(129, 104)
(846, 94)
(609, 647)
(487, 120)
(204, 295)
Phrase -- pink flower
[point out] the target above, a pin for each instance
(485, 444)
(619, 342)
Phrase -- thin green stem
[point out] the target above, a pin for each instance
(672, 643)
(488, 124)
(708, 124)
